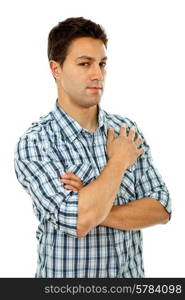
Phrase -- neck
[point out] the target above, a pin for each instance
(87, 117)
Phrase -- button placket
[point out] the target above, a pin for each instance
(88, 136)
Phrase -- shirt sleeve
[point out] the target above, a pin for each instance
(39, 175)
(149, 182)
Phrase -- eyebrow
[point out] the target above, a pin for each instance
(90, 58)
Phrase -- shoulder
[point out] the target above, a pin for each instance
(31, 143)
(116, 120)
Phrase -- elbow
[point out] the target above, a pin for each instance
(166, 217)
(82, 228)
(165, 220)
(85, 223)
(163, 215)
(80, 233)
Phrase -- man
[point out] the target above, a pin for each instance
(89, 173)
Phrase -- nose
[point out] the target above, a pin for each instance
(96, 72)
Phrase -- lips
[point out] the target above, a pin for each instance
(95, 87)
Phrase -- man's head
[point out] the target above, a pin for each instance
(76, 52)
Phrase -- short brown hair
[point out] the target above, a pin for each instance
(61, 36)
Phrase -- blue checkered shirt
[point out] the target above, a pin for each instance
(57, 143)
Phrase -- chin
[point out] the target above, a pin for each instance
(92, 103)
(89, 103)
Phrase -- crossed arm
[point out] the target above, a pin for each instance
(135, 215)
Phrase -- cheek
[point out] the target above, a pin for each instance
(73, 84)
(76, 79)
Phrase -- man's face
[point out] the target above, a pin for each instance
(83, 72)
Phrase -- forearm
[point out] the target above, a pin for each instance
(136, 215)
(96, 199)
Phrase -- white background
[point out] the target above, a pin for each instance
(145, 82)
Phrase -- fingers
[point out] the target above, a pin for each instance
(71, 175)
(140, 151)
(123, 130)
(70, 187)
(110, 137)
(123, 133)
(111, 132)
(138, 141)
(71, 181)
(132, 132)
(74, 183)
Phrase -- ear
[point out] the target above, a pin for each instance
(55, 68)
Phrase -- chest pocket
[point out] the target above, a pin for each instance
(127, 188)
(84, 171)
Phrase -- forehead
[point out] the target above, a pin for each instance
(86, 46)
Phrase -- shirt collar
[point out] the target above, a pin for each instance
(71, 127)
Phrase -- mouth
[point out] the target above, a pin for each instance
(95, 88)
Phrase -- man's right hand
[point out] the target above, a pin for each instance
(124, 148)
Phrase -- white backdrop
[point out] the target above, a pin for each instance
(145, 82)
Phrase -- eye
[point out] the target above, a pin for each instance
(85, 64)
(103, 64)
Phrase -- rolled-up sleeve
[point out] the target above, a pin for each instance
(149, 182)
(40, 176)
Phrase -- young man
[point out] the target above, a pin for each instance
(89, 173)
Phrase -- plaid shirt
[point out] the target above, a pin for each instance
(57, 143)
